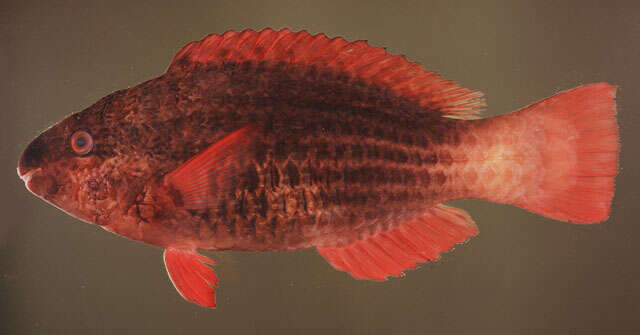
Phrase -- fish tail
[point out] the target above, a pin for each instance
(569, 146)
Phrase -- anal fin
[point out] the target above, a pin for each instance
(389, 253)
(191, 275)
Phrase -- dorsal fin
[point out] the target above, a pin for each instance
(358, 59)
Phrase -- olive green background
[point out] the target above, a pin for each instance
(524, 274)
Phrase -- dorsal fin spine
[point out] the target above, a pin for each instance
(272, 46)
(340, 44)
(228, 46)
(357, 59)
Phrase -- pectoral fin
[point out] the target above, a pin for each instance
(201, 180)
(191, 276)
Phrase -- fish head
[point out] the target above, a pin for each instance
(73, 166)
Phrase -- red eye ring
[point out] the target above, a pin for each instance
(81, 142)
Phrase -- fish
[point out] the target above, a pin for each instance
(280, 140)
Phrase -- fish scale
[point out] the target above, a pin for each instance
(281, 140)
(346, 185)
(339, 158)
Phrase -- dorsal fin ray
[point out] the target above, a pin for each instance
(369, 64)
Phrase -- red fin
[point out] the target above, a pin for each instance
(191, 276)
(203, 178)
(391, 252)
(581, 157)
(370, 64)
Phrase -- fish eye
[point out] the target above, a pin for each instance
(81, 142)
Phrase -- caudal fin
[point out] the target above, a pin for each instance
(579, 159)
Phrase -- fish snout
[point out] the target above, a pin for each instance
(40, 184)
(29, 179)
(31, 157)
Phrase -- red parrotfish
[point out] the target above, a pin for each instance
(281, 140)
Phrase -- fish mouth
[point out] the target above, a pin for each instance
(37, 183)
(27, 177)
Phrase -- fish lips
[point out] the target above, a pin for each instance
(27, 176)
(31, 172)
(40, 184)
(46, 187)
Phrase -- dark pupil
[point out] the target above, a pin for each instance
(80, 142)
